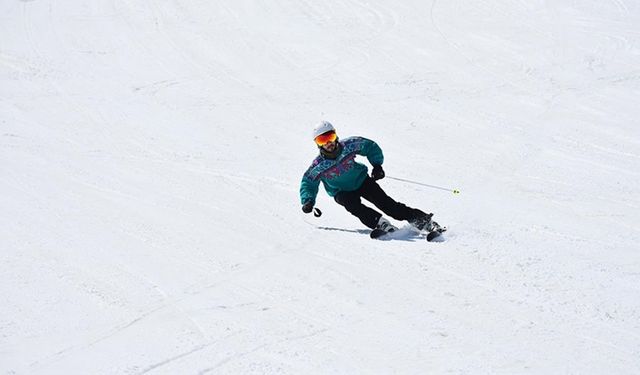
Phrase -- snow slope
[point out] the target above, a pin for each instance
(151, 151)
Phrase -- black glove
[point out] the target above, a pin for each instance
(377, 173)
(307, 207)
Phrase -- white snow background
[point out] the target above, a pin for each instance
(150, 160)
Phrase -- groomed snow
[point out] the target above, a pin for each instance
(150, 160)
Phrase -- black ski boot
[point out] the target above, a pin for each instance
(424, 223)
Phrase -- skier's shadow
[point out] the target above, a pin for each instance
(359, 231)
(402, 234)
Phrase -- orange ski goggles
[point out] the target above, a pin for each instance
(325, 138)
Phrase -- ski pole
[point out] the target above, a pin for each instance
(454, 191)
(317, 212)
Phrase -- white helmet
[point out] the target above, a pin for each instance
(322, 127)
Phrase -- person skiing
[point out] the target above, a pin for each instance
(347, 181)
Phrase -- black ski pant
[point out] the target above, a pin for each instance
(371, 191)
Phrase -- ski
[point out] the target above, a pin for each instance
(435, 233)
(430, 228)
(377, 233)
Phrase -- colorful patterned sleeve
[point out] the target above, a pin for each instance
(371, 150)
(309, 187)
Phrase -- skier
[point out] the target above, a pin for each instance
(347, 181)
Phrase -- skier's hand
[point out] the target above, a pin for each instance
(377, 173)
(307, 207)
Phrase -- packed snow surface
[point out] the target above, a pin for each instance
(150, 160)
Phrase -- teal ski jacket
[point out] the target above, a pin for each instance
(342, 173)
